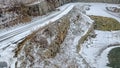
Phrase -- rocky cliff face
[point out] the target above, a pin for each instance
(55, 45)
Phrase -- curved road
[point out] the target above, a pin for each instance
(34, 25)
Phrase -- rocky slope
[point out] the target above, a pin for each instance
(18, 12)
(56, 45)
(15, 14)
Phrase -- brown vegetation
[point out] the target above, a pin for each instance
(37, 42)
(105, 23)
(54, 48)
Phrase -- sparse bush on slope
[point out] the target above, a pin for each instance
(18, 13)
(43, 44)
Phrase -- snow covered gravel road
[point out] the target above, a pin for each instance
(8, 37)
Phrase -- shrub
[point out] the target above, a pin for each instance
(114, 58)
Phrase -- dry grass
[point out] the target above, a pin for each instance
(22, 15)
(54, 47)
(18, 20)
(37, 39)
(105, 23)
(21, 44)
(84, 38)
(26, 19)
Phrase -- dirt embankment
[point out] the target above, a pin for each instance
(45, 43)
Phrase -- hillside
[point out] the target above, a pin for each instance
(59, 34)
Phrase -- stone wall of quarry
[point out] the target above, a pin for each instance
(46, 42)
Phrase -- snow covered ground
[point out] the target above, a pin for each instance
(101, 62)
(92, 50)
(95, 50)
(99, 9)
(9, 44)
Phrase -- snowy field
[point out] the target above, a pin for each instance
(93, 48)
(94, 51)
(99, 9)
